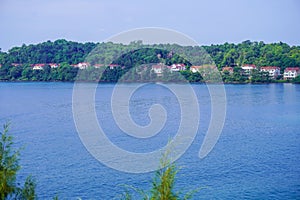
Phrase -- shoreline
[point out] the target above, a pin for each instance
(151, 82)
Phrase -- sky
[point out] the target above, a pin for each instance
(207, 22)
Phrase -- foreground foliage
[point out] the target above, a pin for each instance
(9, 166)
(163, 185)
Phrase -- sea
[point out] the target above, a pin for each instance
(255, 154)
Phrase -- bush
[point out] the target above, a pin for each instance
(162, 185)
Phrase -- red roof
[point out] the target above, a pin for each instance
(98, 65)
(227, 69)
(292, 69)
(179, 65)
(251, 65)
(113, 65)
(196, 67)
(269, 67)
(156, 66)
(39, 65)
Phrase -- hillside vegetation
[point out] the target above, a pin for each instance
(68, 53)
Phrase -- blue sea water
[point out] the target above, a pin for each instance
(256, 157)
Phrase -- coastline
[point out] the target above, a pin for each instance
(153, 82)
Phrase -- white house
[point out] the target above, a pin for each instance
(291, 72)
(178, 67)
(247, 68)
(272, 70)
(38, 66)
(159, 68)
(83, 65)
(53, 65)
(195, 69)
(113, 66)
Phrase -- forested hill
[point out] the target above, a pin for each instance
(58, 51)
(275, 54)
(247, 52)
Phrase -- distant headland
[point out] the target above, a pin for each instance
(62, 60)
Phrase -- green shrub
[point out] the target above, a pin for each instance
(162, 185)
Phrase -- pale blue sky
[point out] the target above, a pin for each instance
(208, 22)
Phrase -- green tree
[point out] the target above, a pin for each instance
(296, 80)
(9, 166)
(4, 73)
(28, 191)
(27, 73)
(227, 77)
(230, 58)
(238, 75)
(15, 72)
(259, 77)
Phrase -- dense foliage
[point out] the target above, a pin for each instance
(258, 53)
(58, 51)
(137, 54)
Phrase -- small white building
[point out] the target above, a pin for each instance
(83, 65)
(247, 68)
(38, 66)
(53, 65)
(98, 65)
(272, 70)
(113, 66)
(159, 68)
(195, 69)
(291, 72)
(177, 67)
